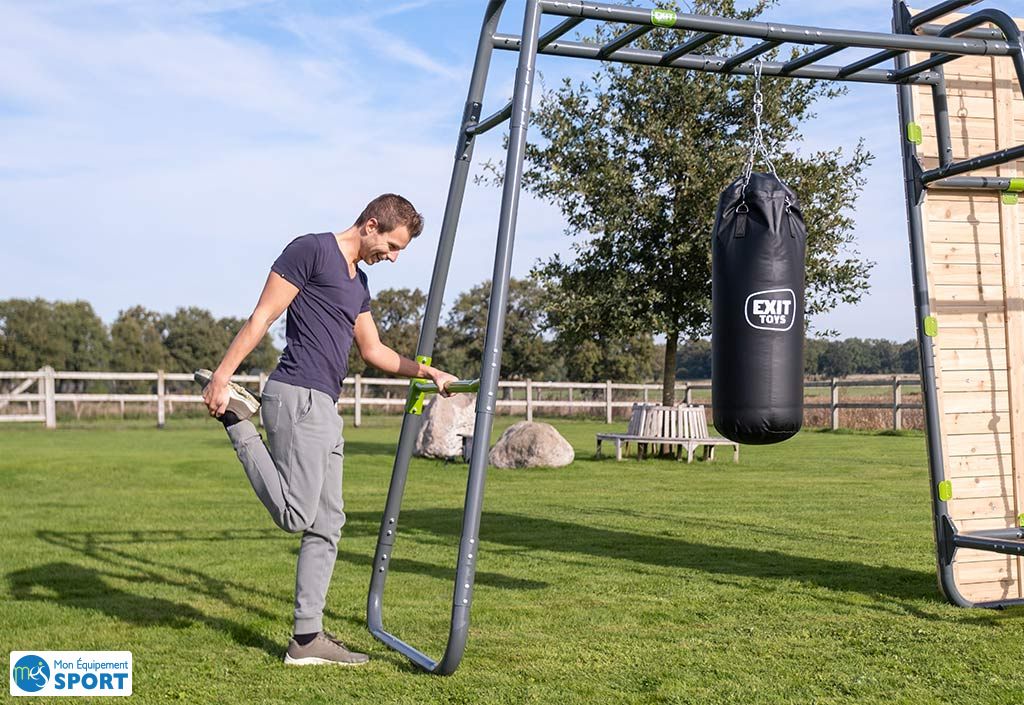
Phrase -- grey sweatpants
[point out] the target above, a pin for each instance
(298, 479)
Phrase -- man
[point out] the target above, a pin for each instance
(298, 478)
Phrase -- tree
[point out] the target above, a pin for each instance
(194, 339)
(598, 358)
(524, 351)
(398, 314)
(67, 335)
(635, 158)
(137, 341)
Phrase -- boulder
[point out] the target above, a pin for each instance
(529, 444)
(444, 418)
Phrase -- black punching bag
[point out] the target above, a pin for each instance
(757, 312)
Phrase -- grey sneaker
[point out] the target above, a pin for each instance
(242, 403)
(325, 649)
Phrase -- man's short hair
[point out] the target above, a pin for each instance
(392, 211)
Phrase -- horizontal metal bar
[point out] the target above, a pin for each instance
(491, 121)
(935, 61)
(983, 183)
(623, 39)
(984, 161)
(558, 30)
(410, 652)
(810, 57)
(751, 53)
(869, 61)
(943, 8)
(694, 42)
(992, 545)
(977, 33)
(797, 34)
(713, 64)
(456, 387)
(1011, 533)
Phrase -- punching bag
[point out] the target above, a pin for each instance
(757, 312)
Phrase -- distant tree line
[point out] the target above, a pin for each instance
(70, 336)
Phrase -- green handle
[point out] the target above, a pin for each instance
(457, 387)
(421, 387)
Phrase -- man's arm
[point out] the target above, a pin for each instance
(376, 353)
(277, 294)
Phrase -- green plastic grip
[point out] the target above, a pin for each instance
(945, 490)
(1016, 185)
(931, 326)
(420, 388)
(914, 133)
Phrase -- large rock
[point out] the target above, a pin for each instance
(529, 444)
(444, 418)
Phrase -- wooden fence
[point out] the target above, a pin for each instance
(34, 396)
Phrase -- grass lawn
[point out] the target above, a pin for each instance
(804, 574)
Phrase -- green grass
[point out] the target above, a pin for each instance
(802, 575)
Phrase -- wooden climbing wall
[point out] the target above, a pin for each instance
(973, 251)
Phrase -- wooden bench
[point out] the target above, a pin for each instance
(685, 428)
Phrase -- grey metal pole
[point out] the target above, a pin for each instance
(901, 24)
(486, 399)
(411, 422)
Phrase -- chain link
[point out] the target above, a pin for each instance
(757, 145)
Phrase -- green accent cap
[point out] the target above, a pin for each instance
(663, 18)
(1016, 185)
(414, 402)
(914, 133)
(945, 490)
(931, 326)
(1010, 198)
(1020, 520)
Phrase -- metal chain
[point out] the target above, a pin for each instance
(758, 141)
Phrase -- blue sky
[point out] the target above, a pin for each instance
(162, 154)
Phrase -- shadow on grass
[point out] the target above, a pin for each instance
(72, 585)
(538, 534)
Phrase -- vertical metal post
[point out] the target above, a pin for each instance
(161, 401)
(922, 306)
(486, 402)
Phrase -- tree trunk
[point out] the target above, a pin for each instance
(668, 380)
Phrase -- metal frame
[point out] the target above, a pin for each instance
(965, 37)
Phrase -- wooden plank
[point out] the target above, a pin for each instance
(978, 444)
(979, 466)
(965, 253)
(975, 402)
(952, 316)
(990, 592)
(966, 273)
(984, 422)
(985, 571)
(990, 486)
(990, 359)
(982, 524)
(974, 381)
(974, 209)
(964, 233)
(981, 508)
(968, 294)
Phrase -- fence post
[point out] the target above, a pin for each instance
(835, 403)
(897, 400)
(50, 401)
(358, 411)
(687, 395)
(608, 401)
(529, 399)
(160, 399)
(645, 394)
(262, 383)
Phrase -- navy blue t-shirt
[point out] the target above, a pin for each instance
(321, 318)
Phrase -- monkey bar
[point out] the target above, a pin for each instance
(969, 36)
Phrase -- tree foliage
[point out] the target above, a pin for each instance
(398, 314)
(636, 156)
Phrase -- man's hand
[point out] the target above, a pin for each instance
(216, 396)
(441, 379)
